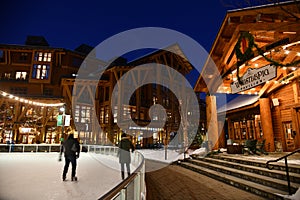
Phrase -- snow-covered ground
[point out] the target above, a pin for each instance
(39, 176)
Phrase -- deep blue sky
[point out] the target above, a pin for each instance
(68, 24)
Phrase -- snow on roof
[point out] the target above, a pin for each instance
(238, 102)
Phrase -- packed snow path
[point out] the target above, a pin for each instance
(39, 176)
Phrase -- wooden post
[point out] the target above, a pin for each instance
(266, 122)
(212, 121)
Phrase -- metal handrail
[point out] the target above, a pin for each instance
(117, 189)
(270, 167)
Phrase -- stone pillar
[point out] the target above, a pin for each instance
(266, 123)
(212, 121)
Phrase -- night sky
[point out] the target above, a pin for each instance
(68, 24)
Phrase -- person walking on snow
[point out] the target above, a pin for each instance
(124, 154)
(71, 149)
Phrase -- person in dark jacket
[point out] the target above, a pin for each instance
(124, 153)
(71, 149)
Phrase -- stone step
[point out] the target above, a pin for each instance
(258, 163)
(279, 174)
(245, 175)
(258, 189)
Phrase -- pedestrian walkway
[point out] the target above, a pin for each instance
(176, 183)
(30, 176)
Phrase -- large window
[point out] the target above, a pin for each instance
(42, 57)
(82, 114)
(40, 71)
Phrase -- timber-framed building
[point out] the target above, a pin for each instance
(38, 80)
(257, 53)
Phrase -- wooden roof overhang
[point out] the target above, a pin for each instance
(276, 30)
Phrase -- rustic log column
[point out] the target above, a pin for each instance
(212, 121)
(266, 123)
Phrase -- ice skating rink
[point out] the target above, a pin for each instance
(29, 176)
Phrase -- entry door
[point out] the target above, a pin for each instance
(289, 137)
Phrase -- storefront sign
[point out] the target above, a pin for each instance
(254, 77)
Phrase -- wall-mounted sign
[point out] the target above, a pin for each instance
(67, 119)
(254, 77)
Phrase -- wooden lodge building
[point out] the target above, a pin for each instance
(257, 54)
(37, 80)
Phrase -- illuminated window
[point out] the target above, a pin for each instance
(106, 115)
(42, 57)
(85, 114)
(126, 112)
(76, 114)
(7, 75)
(40, 72)
(102, 115)
(82, 114)
(21, 75)
(115, 114)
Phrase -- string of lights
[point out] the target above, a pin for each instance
(31, 102)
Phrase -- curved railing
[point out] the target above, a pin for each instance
(286, 167)
(133, 187)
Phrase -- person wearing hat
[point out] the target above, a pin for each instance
(71, 149)
(124, 154)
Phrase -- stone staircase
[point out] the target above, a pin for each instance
(246, 174)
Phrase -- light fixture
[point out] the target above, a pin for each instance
(62, 109)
